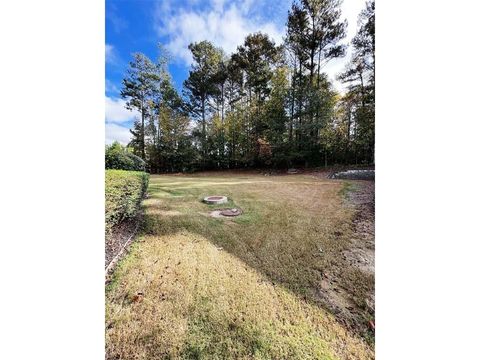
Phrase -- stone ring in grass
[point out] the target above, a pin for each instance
(216, 199)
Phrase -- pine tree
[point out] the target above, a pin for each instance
(257, 58)
(263, 105)
(137, 87)
(200, 85)
(359, 75)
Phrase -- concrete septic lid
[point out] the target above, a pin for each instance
(215, 199)
(225, 213)
(231, 212)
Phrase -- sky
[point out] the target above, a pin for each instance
(140, 25)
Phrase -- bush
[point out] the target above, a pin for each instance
(124, 191)
(117, 157)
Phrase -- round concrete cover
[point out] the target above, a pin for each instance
(231, 212)
(216, 199)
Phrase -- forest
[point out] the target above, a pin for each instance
(266, 105)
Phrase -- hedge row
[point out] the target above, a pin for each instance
(124, 191)
(117, 157)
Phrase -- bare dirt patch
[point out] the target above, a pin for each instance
(231, 212)
(115, 242)
(362, 253)
(348, 289)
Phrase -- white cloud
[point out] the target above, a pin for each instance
(113, 58)
(109, 53)
(224, 25)
(114, 132)
(115, 111)
(111, 87)
(116, 117)
(350, 11)
(118, 22)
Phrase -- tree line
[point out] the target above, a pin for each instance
(265, 105)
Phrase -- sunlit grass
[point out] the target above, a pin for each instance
(240, 288)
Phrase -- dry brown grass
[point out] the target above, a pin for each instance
(246, 288)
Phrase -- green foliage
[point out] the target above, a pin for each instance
(359, 102)
(200, 87)
(118, 157)
(138, 85)
(124, 191)
(266, 104)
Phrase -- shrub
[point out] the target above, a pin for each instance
(124, 191)
(117, 157)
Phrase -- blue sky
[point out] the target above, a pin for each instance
(140, 25)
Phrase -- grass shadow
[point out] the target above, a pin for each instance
(293, 246)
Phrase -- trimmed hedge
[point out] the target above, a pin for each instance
(117, 157)
(124, 191)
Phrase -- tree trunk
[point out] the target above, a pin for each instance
(312, 51)
(142, 135)
(204, 133)
(312, 64)
(318, 68)
(223, 125)
(292, 112)
(300, 130)
(347, 145)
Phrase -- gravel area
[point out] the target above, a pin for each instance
(354, 175)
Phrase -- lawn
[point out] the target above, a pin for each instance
(252, 287)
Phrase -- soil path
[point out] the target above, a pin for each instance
(353, 301)
(362, 253)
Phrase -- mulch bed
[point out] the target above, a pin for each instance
(115, 242)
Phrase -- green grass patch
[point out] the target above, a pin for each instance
(346, 189)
